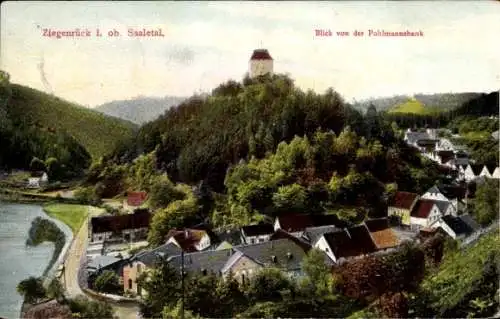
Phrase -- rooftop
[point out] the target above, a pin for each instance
(403, 200)
(261, 54)
(422, 208)
(117, 223)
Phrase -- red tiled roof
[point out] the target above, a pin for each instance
(403, 200)
(261, 54)
(382, 233)
(136, 198)
(422, 208)
(295, 222)
(187, 239)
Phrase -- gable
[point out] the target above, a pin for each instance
(243, 263)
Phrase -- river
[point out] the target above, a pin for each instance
(17, 261)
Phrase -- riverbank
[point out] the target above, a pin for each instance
(19, 261)
(23, 197)
(72, 215)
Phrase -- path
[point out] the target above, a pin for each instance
(72, 264)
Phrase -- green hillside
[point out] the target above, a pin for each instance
(413, 106)
(465, 285)
(98, 133)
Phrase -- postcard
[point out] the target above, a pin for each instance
(211, 159)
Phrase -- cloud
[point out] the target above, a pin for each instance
(180, 55)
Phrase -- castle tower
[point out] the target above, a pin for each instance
(260, 63)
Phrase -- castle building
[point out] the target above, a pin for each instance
(260, 63)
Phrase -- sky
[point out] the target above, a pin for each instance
(207, 43)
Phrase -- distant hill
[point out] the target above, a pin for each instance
(96, 132)
(415, 106)
(139, 110)
(418, 103)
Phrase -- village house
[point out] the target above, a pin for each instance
(351, 242)
(382, 234)
(38, 179)
(256, 233)
(496, 173)
(128, 227)
(189, 240)
(401, 205)
(134, 200)
(246, 260)
(456, 227)
(472, 172)
(142, 262)
(312, 234)
(424, 213)
(296, 224)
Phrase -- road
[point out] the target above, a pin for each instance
(73, 262)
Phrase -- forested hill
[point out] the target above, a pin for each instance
(95, 131)
(418, 103)
(266, 143)
(37, 126)
(139, 110)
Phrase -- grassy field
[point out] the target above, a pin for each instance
(97, 132)
(72, 215)
(413, 106)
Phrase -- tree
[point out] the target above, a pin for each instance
(163, 287)
(162, 193)
(170, 312)
(485, 203)
(230, 298)
(318, 273)
(200, 295)
(290, 197)
(267, 285)
(31, 289)
(55, 290)
(37, 164)
(176, 215)
(143, 171)
(108, 282)
(82, 307)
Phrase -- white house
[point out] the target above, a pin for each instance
(469, 173)
(38, 179)
(260, 63)
(496, 173)
(424, 214)
(189, 240)
(256, 233)
(485, 172)
(435, 194)
(445, 144)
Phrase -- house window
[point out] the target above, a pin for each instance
(327, 250)
(243, 278)
(252, 241)
(130, 284)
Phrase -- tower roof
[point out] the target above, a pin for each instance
(261, 54)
